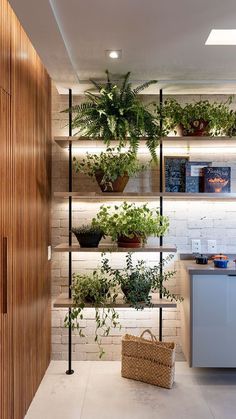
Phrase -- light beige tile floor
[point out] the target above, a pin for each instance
(97, 391)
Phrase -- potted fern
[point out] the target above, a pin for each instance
(130, 225)
(115, 112)
(111, 169)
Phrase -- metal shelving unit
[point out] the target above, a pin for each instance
(69, 143)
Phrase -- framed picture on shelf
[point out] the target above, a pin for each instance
(194, 176)
(175, 173)
(217, 179)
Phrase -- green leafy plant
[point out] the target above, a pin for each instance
(218, 116)
(115, 112)
(231, 131)
(97, 290)
(111, 164)
(136, 281)
(130, 220)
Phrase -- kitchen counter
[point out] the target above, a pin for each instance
(196, 269)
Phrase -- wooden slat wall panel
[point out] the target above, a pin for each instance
(5, 45)
(30, 126)
(31, 104)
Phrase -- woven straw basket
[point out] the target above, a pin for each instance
(149, 361)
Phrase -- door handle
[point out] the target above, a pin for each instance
(231, 274)
(5, 274)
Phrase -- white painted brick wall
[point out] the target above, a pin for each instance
(188, 220)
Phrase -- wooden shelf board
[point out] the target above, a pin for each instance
(175, 141)
(63, 302)
(64, 247)
(146, 196)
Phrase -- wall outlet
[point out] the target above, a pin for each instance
(196, 246)
(49, 252)
(211, 246)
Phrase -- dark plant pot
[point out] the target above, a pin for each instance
(199, 128)
(134, 242)
(88, 239)
(140, 296)
(117, 185)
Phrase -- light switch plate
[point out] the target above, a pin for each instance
(49, 252)
(211, 246)
(196, 246)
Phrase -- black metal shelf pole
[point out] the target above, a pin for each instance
(70, 371)
(161, 209)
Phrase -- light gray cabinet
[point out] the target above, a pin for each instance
(210, 318)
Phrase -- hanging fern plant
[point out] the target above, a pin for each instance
(115, 112)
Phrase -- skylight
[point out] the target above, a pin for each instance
(221, 37)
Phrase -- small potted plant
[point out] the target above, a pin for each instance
(130, 224)
(94, 290)
(232, 127)
(117, 113)
(111, 169)
(202, 118)
(88, 235)
(137, 281)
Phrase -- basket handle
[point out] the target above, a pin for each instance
(154, 339)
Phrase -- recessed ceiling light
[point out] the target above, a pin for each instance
(221, 37)
(114, 54)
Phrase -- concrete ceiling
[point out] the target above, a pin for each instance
(160, 39)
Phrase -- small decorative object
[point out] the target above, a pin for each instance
(201, 259)
(94, 290)
(175, 173)
(117, 113)
(202, 118)
(194, 179)
(217, 179)
(146, 360)
(129, 221)
(111, 168)
(136, 281)
(220, 261)
(87, 235)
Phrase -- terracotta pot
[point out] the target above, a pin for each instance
(117, 185)
(199, 128)
(134, 242)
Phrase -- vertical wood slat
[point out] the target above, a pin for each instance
(5, 38)
(24, 217)
(6, 339)
(5, 275)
